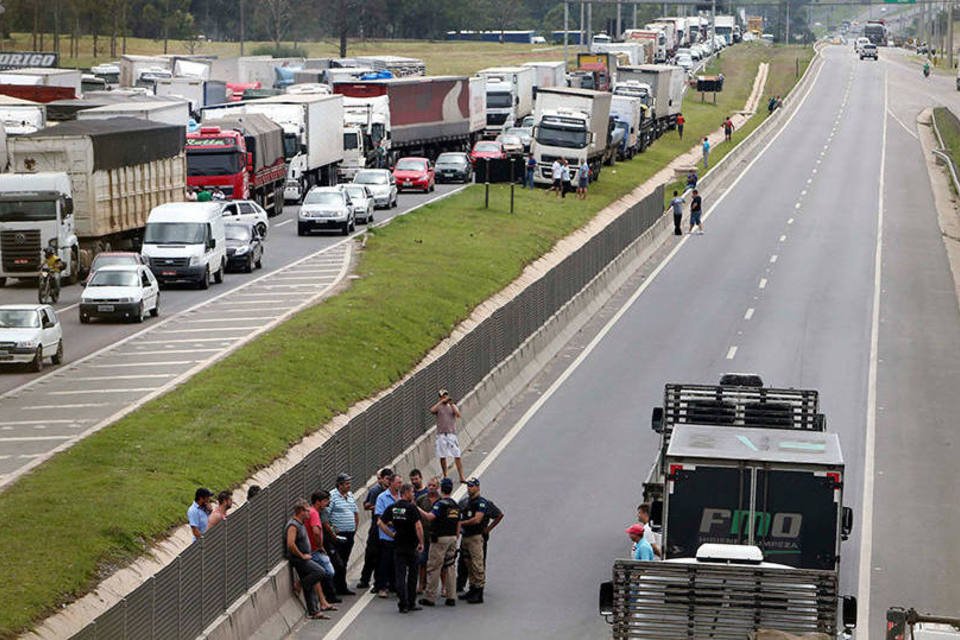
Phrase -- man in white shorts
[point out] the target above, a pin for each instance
(447, 444)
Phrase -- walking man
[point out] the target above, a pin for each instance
(198, 515)
(680, 122)
(401, 522)
(531, 169)
(444, 519)
(471, 528)
(297, 551)
(447, 445)
(345, 518)
(383, 581)
(706, 152)
(371, 557)
(696, 206)
(728, 129)
(677, 205)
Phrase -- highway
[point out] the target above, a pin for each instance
(821, 267)
(111, 367)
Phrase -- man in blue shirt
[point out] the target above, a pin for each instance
(371, 556)
(641, 548)
(198, 515)
(344, 517)
(383, 578)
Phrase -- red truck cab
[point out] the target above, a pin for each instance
(218, 158)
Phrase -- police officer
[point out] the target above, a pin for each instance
(493, 517)
(444, 519)
(475, 521)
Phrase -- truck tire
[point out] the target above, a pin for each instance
(205, 280)
(278, 202)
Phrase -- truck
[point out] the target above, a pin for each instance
(198, 93)
(242, 155)
(679, 27)
(876, 31)
(573, 124)
(116, 171)
(175, 112)
(251, 69)
(748, 485)
(627, 52)
(44, 77)
(655, 39)
(755, 25)
(366, 127)
(547, 74)
(313, 138)
(665, 84)
(21, 116)
(428, 114)
(399, 66)
(909, 624)
(596, 70)
(692, 27)
(628, 114)
(509, 95)
(723, 27)
(669, 28)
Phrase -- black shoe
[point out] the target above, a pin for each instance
(334, 600)
(427, 603)
(450, 602)
(404, 610)
(416, 608)
(465, 596)
(363, 584)
(346, 592)
(477, 597)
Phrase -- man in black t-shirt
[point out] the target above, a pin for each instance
(493, 517)
(474, 524)
(401, 521)
(444, 519)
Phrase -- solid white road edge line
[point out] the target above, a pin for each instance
(869, 441)
(354, 611)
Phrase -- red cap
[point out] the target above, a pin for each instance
(636, 529)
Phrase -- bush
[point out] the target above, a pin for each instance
(283, 51)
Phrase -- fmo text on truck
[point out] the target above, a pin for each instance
(242, 156)
(748, 485)
(573, 124)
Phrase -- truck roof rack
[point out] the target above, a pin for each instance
(743, 406)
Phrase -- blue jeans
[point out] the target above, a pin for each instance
(323, 560)
(529, 182)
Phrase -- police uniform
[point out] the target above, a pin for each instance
(463, 566)
(471, 543)
(443, 548)
(403, 516)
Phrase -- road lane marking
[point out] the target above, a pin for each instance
(185, 340)
(280, 224)
(223, 319)
(905, 127)
(53, 407)
(748, 314)
(796, 206)
(76, 392)
(763, 283)
(136, 376)
(208, 330)
(732, 352)
(34, 438)
(783, 238)
(790, 221)
(773, 258)
(158, 363)
(15, 423)
(169, 352)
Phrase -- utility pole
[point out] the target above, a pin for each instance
(634, 15)
(713, 22)
(589, 34)
(583, 31)
(788, 21)
(616, 36)
(950, 33)
(566, 28)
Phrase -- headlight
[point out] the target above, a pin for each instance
(241, 250)
(194, 261)
(27, 344)
(127, 300)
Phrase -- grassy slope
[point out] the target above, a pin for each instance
(130, 483)
(949, 127)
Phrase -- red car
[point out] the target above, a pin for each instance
(414, 173)
(489, 149)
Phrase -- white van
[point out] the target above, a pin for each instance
(185, 242)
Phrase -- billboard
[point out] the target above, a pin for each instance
(24, 59)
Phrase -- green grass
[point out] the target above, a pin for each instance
(100, 503)
(949, 127)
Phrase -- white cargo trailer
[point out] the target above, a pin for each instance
(173, 112)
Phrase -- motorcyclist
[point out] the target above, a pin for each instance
(926, 68)
(55, 265)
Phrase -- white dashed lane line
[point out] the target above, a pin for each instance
(748, 314)
(732, 352)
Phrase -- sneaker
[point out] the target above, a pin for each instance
(427, 603)
(383, 594)
(450, 602)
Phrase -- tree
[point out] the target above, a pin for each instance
(276, 15)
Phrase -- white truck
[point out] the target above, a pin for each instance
(628, 114)
(509, 95)
(366, 125)
(176, 112)
(312, 135)
(656, 39)
(199, 93)
(630, 53)
(573, 124)
(665, 84)
(669, 29)
(70, 78)
(723, 27)
(250, 69)
(692, 28)
(548, 74)
(116, 171)
(21, 116)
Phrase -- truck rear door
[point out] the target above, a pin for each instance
(706, 504)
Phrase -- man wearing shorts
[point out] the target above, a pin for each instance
(447, 444)
(555, 170)
(696, 207)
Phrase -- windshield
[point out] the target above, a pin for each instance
(411, 165)
(114, 279)
(451, 160)
(175, 233)
(370, 177)
(27, 210)
(323, 197)
(520, 133)
(102, 261)
(237, 232)
(554, 136)
(291, 145)
(356, 192)
(499, 101)
(350, 140)
(487, 147)
(205, 163)
(19, 319)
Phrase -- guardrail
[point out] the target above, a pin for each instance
(183, 598)
(942, 154)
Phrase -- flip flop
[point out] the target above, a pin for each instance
(319, 616)
(329, 608)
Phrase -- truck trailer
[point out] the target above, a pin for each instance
(573, 124)
(509, 95)
(666, 86)
(175, 112)
(198, 93)
(21, 116)
(548, 74)
(117, 171)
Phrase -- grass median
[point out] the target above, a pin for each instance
(949, 127)
(101, 503)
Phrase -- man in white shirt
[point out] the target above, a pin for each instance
(556, 172)
(643, 517)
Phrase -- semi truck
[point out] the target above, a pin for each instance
(748, 486)
(43, 77)
(755, 25)
(665, 85)
(85, 187)
(509, 95)
(628, 114)
(629, 53)
(601, 69)
(428, 114)
(573, 124)
(654, 38)
(547, 74)
(21, 116)
(723, 27)
(366, 125)
(176, 112)
(198, 93)
(313, 137)
(251, 69)
(242, 155)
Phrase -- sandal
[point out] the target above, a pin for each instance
(329, 607)
(319, 616)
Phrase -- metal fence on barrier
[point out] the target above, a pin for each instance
(184, 597)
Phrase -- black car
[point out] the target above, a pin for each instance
(244, 246)
(454, 167)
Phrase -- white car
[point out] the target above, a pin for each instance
(362, 199)
(685, 61)
(28, 334)
(326, 208)
(246, 211)
(120, 291)
(382, 185)
(696, 52)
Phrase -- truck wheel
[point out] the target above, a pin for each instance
(37, 364)
(301, 230)
(205, 280)
(278, 202)
(262, 229)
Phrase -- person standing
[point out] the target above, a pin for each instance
(696, 209)
(728, 129)
(345, 518)
(318, 502)
(641, 548)
(677, 205)
(425, 502)
(224, 504)
(705, 148)
(204, 195)
(556, 174)
(565, 178)
(198, 515)
(444, 519)
(492, 518)
(643, 517)
(297, 551)
(383, 578)
(531, 170)
(583, 179)
(401, 522)
(471, 530)
(680, 122)
(371, 556)
(416, 479)
(447, 445)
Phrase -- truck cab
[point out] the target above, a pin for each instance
(218, 158)
(502, 100)
(36, 211)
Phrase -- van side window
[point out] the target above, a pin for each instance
(209, 232)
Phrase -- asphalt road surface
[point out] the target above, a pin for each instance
(126, 363)
(783, 283)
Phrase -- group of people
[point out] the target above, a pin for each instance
(562, 174)
(205, 194)
(204, 514)
(773, 104)
(696, 210)
(646, 541)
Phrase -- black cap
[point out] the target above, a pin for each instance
(473, 482)
(344, 477)
(446, 485)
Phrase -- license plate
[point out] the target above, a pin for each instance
(104, 307)
(407, 183)
(168, 273)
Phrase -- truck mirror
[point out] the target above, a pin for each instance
(656, 511)
(656, 420)
(606, 599)
(849, 612)
(303, 148)
(68, 206)
(212, 243)
(846, 527)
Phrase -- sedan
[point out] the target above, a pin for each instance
(381, 184)
(120, 292)
(685, 62)
(525, 133)
(487, 150)
(246, 211)
(113, 258)
(326, 208)
(454, 166)
(511, 143)
(414, 173)
(244, 246)
(363, 201)
(28, 334)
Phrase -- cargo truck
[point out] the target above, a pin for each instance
(909, 624)
(547, 74)
(602, 68)
(43, 77)
(243, 156)
(748, 485)
(428, 114)
(755, 25)
(251, 69)
(116, 171)
(666, 86)
(669, 28)
(175, 113)
(628, 114)
(573, 124)
(198, 93)
(366, 125)
(630, 53)
(509, 96)
(21, 116)
(655, 38)
(723, 27)
(312, 135)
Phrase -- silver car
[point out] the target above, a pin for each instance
(362, 200)
(382, 185)
(325, 208)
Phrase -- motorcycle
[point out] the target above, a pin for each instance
(48, 290)
(926, 71)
